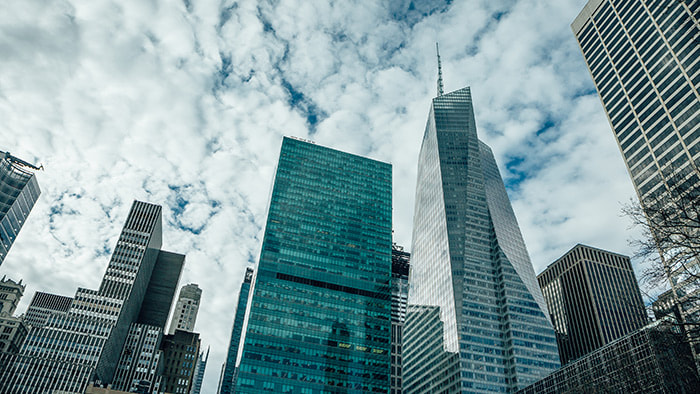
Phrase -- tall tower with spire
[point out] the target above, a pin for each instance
(476, 320)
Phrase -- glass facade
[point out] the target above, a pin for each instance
(19, 191)
(319, 318)
(229, 371)
(470, 270)
(593, 298)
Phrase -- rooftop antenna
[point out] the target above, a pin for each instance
(439, 81)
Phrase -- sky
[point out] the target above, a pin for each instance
(185, 103)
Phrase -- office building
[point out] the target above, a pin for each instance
(139, 366)
(476, 320)
(185, 314)
(593, 299)
(44, 306)
(19, 191)
(654, 359)
(228, 371)
(10, 294)
(199, 369)
(400, 266)
(12, 329)
(180, 352)
(319, 319)
(85, 343)
(644, 59)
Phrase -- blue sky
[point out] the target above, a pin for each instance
(184, 104)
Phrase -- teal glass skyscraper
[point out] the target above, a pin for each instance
(319, 318)
(476, 320)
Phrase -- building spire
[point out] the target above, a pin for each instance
(439, 81)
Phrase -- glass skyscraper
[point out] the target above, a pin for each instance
(18, 193)
(229, 367)
(476, 320)
(319, 319)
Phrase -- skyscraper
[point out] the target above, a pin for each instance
(593, 298)
(85, 343)
(229, 368)
(643, 58)
(185, 314)
(400, 266)
(319, 318)
(139, 363)
(18, 193)
(199, 369)
(476, 320)
(44, 306)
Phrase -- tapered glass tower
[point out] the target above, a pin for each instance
(477, 321)
(319, 318)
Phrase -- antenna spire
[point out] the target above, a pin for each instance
(439, 81)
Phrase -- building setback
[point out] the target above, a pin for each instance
(319, 318)
(593, 298)
(644, 58)
(19, 191)
(655, 359)
(85, 343)
(476, 320)
(228, 371)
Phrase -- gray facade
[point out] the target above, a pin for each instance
(655, 359)
(85, 343)
(644, 58)
(593, 298)
(471, 276)
(19, 191)
(44, 306)
(185, 314)
(138, 367)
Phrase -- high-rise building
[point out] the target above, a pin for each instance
(319, 318)
(228, 372)
(644, 59)
(139, 366)
(400, 266)
(10, 294)
(199, 369)
(19, 191)
(13, 330)
(85, 343)
(476, 320)
(185, 314)
(593, 298)
(180, 352)
(653, 359)
(44, 306)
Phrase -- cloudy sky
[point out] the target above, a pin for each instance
(184, 103)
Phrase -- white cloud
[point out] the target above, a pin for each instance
(186, 102)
